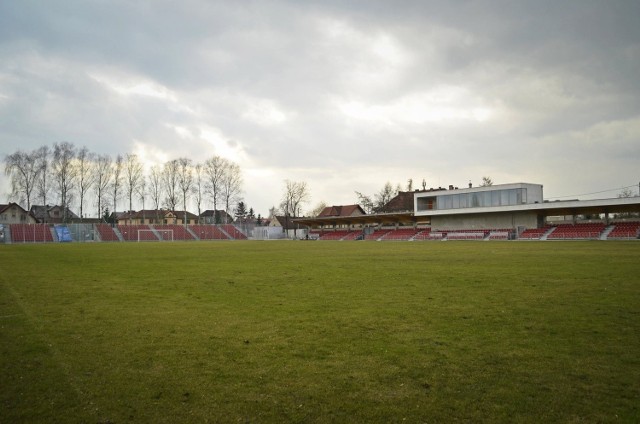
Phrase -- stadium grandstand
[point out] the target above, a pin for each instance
(499, 212)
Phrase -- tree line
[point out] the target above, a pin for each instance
(66, 174)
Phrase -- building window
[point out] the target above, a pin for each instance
(492, 198)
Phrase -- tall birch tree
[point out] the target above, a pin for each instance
(23, 171)
(86, 175)
(64, 173)
(215, 169)
(170, 183)
(231, 186)
(103, 172)
(116, 183)
(132, 177)
(185, 182)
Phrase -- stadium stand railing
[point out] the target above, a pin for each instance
(466, 234)
(504, 234)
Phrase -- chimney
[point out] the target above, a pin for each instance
(470, 185)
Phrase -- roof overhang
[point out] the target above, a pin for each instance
(376, 219)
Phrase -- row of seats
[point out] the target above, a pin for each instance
(401, 234)
(41, 233)
(336, 235)
(208, 232)
(30, 233)
(376, 234)
(625, 230)
(577, 231)
(132, 233)
(234, 232)
(179, 232)
(534, 233)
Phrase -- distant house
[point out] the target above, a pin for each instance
(346, 210)
(285, 222)
(404, 200)
(156, 217)
(13, 213)
(215, 217)
(52, 214)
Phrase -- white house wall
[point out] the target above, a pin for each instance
(487, 221)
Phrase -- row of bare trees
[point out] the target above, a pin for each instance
(68, 174)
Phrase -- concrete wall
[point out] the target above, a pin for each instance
(485, 221)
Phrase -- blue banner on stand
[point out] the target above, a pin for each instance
(63, 233)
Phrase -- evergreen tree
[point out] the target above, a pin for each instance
(241, 211)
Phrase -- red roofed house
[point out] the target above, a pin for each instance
(157, 217)
(13, 213)
(346, 210)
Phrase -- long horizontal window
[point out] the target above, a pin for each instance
(509, 197)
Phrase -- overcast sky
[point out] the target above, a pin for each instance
(343, 95)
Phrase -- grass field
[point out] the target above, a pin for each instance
(320, 332)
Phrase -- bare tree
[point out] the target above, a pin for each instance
(365, 201)
(274, 211)
(215, 169)
(625, 194)
(231, 186)
(486, 182)
(170, 183)
(43, 160)
(383, 197)
(103, 171)
(410, 184)
(23, 170)
(155, 188)
(132, 177)
(318, 209)
(86, 175)
(199, 187)
(379, 201)
(64, 173)
(116, 183)
(185, 182)
(141, 191)
(295, 194)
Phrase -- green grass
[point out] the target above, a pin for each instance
(320, 332)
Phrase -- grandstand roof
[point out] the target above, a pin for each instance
(406, 218)
(571, 207)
